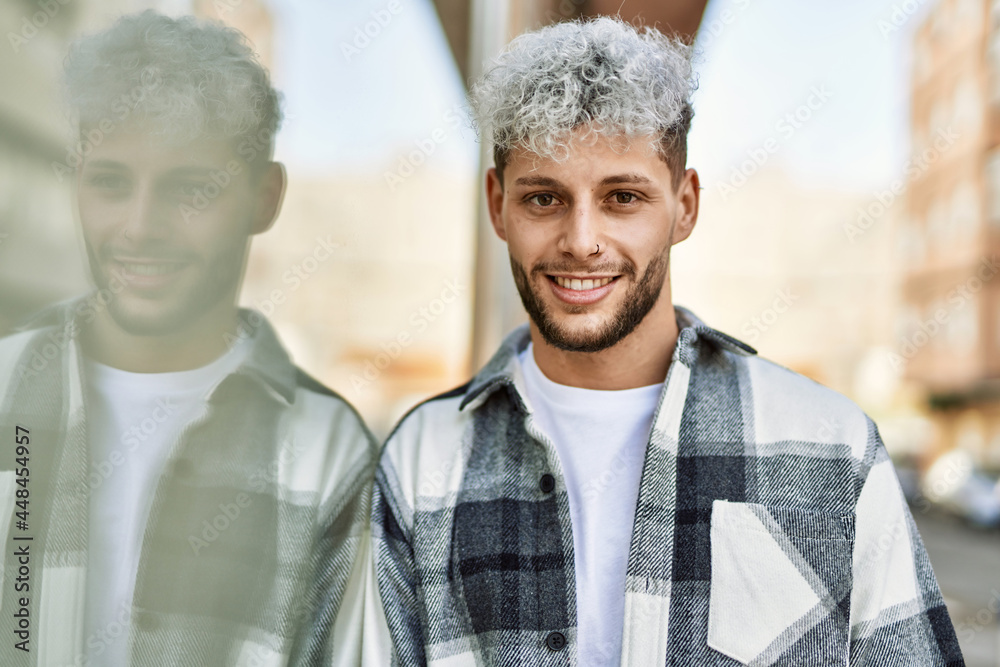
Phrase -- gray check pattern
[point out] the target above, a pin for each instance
(269, 587)
(769, 530)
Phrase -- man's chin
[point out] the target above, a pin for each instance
(576, 338)
(136, 320)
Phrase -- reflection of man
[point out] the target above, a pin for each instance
(185, 476)
(622, 484)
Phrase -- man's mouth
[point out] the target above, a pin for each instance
(581, 284)
(149, 274)
(581, 290)
(151, 268)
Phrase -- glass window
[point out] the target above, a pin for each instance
(965, 210)
(993, 187)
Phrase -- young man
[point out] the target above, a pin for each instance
(183, 494)
(622, 484)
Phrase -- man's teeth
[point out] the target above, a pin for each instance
(158, 269)
(580, 285)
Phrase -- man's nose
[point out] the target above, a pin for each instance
(147, 217)
(580, 237)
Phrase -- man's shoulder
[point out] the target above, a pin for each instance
(318, 404)
(436, 424)
(789, 406)
(29, 348)
(438, 411)
(782, 402)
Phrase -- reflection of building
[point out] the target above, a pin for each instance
(40, 255)
(251, 17)
(40, 258)
(949, 326)
(369, 286)
(775, 263)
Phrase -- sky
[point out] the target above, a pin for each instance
(355, 105)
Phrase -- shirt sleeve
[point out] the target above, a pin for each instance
(397, 596)
(898, 616)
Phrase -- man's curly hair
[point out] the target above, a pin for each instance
(182, 78)
(601, 73)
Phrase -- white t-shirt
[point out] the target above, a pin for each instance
(133, 421)
(601, 438)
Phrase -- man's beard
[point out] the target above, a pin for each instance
(636, 304)
(179, 309)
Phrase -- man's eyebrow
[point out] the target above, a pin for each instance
(634, 179)
(535, 181)
(191, 172)
(104, 163)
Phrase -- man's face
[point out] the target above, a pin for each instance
(162, 235)
(589, 237)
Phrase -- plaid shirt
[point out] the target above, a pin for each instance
(770, 528)
(278, 466)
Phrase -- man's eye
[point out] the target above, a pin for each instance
(188, 189)
(625, 198)
(109, 182)
(542, 200)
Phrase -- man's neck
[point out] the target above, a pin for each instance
(640, 359)
(193, 346)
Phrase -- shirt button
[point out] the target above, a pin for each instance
(547, 483)
(556, 641)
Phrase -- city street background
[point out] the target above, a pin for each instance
(849, 226)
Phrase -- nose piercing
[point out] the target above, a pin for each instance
(598, 247)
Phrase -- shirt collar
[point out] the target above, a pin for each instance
(502, 369)
(266, 361)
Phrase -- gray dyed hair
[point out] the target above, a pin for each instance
(602, 73)
(182, 78)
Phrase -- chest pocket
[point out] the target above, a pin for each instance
(781, 584)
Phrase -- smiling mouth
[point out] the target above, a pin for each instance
(581, 284)
(152, 268)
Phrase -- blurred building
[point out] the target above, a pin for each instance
(948, 327)
(41, 256)
(40, 260)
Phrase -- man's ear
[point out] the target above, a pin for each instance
(270, 194)
(688, 200)
(494, 201)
